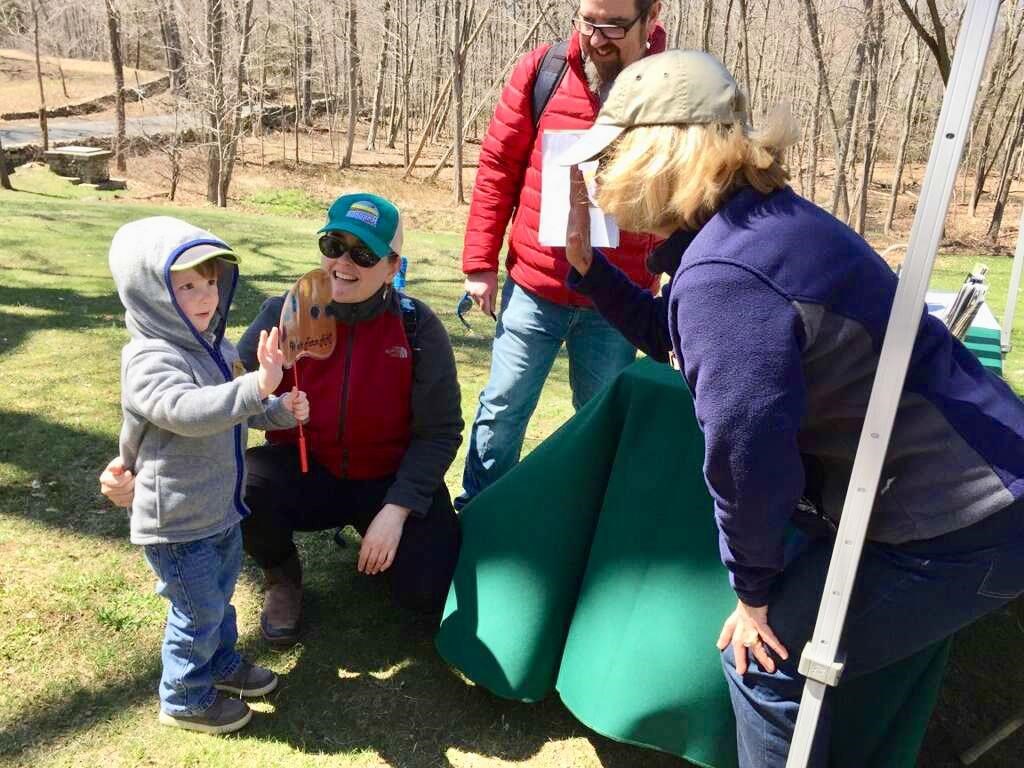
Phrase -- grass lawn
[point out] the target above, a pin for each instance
(80, 627)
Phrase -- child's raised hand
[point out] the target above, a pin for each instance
(271, 358)
(297, 404)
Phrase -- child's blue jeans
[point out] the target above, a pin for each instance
(198, 578)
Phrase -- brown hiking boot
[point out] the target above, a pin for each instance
(282, 603)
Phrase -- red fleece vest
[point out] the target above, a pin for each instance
(359, 400)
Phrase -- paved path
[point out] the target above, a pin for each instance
(63, 129)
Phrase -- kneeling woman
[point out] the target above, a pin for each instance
(776, 313)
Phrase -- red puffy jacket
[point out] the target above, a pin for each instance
(508, 182)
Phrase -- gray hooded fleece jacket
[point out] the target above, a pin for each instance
(185, 413)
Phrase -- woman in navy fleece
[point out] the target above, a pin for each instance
(776, 313)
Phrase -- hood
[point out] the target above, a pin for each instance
(141, 255)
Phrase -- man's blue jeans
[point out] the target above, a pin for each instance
(529, 335)
(198, 578)
(906, 598)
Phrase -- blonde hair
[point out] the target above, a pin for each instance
(667, 177)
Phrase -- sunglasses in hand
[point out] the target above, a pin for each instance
(334, 247)
(465, 304)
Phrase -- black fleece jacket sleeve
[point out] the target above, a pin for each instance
(436, 417)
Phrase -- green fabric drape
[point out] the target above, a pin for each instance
(592, 569)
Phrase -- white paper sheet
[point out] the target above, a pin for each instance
(554, 195)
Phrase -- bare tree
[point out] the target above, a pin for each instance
(39, 77)
(233, 128)
(458, 64)
(171, 38)
(215, 106)
(117, 62)
(378, 89)
(936, 42)
(910, 109)
(1006, 177)
(353, 82)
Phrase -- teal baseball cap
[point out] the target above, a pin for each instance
(371, 218)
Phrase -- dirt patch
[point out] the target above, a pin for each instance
(85, 80)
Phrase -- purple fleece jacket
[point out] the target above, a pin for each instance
(776, 313)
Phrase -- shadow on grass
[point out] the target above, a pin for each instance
(65, 463)
(365, 678)
(368, 678)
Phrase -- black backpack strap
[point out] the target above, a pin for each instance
(552, 70)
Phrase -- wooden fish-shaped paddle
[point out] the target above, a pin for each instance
(307, 329)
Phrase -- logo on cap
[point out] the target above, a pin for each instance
(364, 212)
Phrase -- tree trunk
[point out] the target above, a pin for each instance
(215, 18)
(353, 82)
(173, 54)
(745, 44)
(117, 61)
(378, 90)
(39, 77)
(5, 180)
(233, 129)
(755, 92)
(458, 62)
(1001, 74)
(901, 153)
(705, 34)
(874, 23)
(307, 67)
(393, 124)
(1005, 179)
(812, 28)
(937, 43)
(840, 202)
(812, 181)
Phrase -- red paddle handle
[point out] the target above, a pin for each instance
(303, 461)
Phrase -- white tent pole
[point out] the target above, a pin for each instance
(1011, 297)
(819, 662)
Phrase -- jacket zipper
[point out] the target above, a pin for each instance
(350, 343)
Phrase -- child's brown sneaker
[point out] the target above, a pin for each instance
(249, 681)
(225, 715)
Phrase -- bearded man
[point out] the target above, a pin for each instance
(538, 312)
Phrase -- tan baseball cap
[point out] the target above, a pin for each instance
(671, 88)
(197, 254)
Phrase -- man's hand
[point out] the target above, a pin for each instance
(297, 404)
(117, 483)
(482, 287)
(577, 235)
(381, 540)
(747, 630)
(271, 358)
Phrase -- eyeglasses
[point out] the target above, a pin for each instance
(334, 247)
(465, 304)
(610, 31)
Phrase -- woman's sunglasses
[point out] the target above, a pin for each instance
(334, 247)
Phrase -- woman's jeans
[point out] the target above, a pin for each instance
(906, 597)
(529, 335)
(198, 578)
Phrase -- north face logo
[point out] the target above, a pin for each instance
(398, 351)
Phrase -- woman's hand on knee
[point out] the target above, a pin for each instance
(380, 542)
(747, 630)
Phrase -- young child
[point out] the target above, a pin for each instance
(185, 410)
